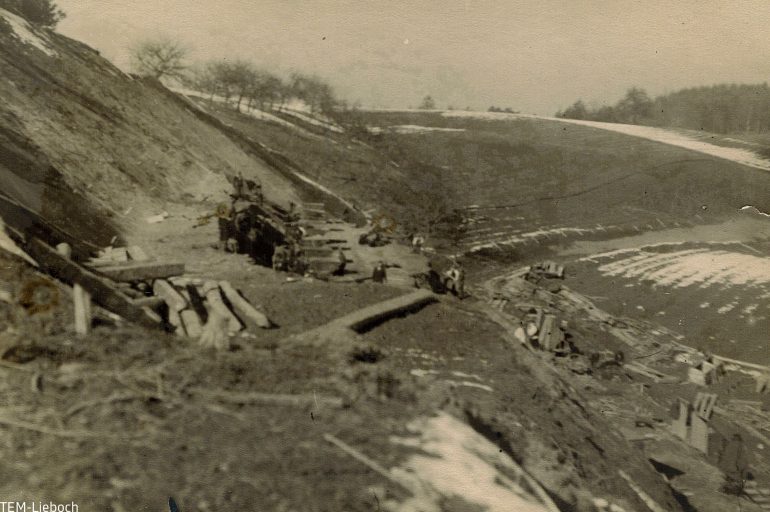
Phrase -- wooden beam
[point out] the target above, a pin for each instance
(196, 301)
(192, 324)
(151, 302)
(246, 309)
(102, 291)
(168, 293)
(82, 301)
(136, 253)
(142, 271)
(214, 297)
(371, 315)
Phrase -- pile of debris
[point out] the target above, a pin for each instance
(546, 273)
(208, 311)
(543, 330)
(129, 285)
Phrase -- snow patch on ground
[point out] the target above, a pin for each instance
(252, 112)
(411, 129)
(755, 211)
(26, 33)
(542, 233)
(454, 461)
(704, 267)
(323, 123)
(726, 308)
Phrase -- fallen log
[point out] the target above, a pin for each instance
(104, 293)
(243, 307)
(141, 271)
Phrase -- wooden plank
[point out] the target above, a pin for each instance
(116, 254)
(214, 298)
(317, 252)
(176, 322)
(376, 313)
(736, 362)
(192, 324)
(243, 307)
(149, 302)
(142, 271)
(102, 291)
(168, 293)
(136, 253)
(196, 301)
(82, 302)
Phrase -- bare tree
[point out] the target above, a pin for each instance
(160, 58)
(317, 94)
(428, 103)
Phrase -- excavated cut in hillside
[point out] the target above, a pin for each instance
(72, 126)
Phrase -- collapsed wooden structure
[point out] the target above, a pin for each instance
(127, 283)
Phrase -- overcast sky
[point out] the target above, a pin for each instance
(536, 55)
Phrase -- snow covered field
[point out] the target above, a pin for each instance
(701, 267)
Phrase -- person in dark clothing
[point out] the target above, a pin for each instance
(379, 274)
(343, 263)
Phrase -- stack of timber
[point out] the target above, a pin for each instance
(209, 311)
(127, 264)
(101, 289)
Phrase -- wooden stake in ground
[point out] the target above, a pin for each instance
(80, 298)
(82, 301)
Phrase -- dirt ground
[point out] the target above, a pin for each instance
(123, 418)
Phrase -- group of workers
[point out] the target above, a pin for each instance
(289, 257)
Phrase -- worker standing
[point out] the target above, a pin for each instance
(279, 258)
(343, 261)
(379, 274)
(455, 279)
(417, 242)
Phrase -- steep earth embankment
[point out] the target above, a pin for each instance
(89, 149)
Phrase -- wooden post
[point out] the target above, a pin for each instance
(82, 300)
(80, 297)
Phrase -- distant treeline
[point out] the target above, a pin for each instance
(245, 84)
(726, 108)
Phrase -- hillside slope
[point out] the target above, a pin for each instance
(521, 179)
(73, 123)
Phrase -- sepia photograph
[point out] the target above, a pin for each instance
(397, 256)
